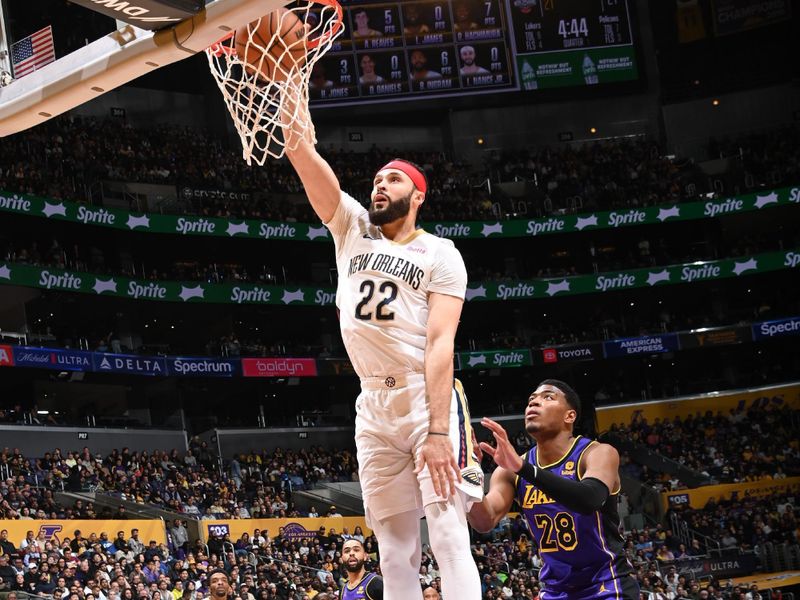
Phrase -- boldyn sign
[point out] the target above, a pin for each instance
(279, 367)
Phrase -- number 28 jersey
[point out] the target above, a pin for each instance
(383, 288)
(583, 554)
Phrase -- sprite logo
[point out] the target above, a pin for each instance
(15, 203)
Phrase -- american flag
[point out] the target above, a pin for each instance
(33, 52)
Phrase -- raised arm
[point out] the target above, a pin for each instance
(316, 175)
(437, 453)
(600, 472)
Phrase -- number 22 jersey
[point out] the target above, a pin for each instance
(583, 555)
(383, 288)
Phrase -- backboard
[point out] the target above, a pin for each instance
(117, 58)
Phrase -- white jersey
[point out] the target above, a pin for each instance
(383, 290)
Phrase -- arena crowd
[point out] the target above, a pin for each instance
(64, 158)
(269, 565)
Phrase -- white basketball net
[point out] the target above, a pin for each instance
(262, 109)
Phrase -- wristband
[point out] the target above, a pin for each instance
(438, 433)
(527, 471)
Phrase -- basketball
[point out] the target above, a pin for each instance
(272, 46)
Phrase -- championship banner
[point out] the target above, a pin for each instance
(294, 529)
(700, 566)
(742, 400)
(733, 16)
(274, 230)
(699, 497)
(58, 529)
(226, 293)
(495, 359)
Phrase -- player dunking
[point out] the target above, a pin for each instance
(567, 488)
(360, 585)
(400, 295)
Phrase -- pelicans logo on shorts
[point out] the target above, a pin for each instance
(473, 475)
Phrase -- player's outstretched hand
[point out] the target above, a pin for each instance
(437, 453)
(504, 454)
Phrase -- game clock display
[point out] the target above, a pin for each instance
(416, 49)
(565, 43)
(552, 25)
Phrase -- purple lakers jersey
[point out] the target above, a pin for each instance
(583, 555)
(369, 588)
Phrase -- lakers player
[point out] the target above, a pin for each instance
(567, 488)
(360, 585)
(400, 295)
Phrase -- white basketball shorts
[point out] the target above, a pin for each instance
(391, 425)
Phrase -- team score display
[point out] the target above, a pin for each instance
(387, 293)
(334, 77)
(549, 25)
(484, 64)
(375, 27)
(427, 23)
(477, 21)
(382, 73)
(432, 68)
(557, 533)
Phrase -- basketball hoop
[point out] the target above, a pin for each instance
(264, 78)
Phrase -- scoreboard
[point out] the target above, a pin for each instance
(562, 43)
(550, 25)
(416, 49)
(426, 48)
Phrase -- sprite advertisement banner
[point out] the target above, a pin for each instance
(495, 359)
(577, 68)
(240, 293)
(273, 230)
(635, 278)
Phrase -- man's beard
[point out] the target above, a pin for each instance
(396, 209)
(354, 568)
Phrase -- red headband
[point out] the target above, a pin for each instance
(415, 174)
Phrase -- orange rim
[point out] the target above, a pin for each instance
(337, 26)
(218, 48)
